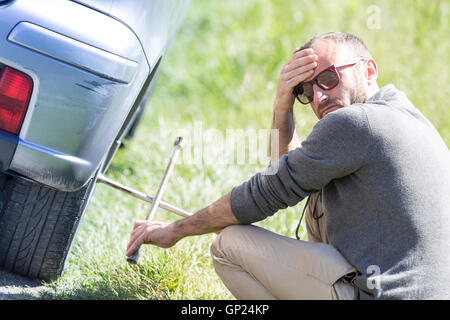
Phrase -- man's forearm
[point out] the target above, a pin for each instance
(288, 139)
(213, 218)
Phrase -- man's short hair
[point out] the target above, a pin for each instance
(352, 42)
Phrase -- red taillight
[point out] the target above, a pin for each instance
(15, 93)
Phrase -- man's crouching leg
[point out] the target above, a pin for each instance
(224, 251)
(255, 263)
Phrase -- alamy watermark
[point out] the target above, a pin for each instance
(373, 17)
(373, 277)
(209, 146)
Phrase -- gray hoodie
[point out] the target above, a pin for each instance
(385, 175)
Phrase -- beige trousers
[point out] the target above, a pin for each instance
(255, 263)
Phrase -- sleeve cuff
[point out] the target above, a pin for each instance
(244, 206)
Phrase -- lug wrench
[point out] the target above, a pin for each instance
(176, 150)
(144, 197)
(178, 145)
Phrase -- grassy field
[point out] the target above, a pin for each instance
(219, 77)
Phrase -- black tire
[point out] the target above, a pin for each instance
(38, 225)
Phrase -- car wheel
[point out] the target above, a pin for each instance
(38, 225)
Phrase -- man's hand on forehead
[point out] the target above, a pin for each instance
(297, 69)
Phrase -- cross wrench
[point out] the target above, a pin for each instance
(137, 194)
(176, 149)
(156, 202)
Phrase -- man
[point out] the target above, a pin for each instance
(378, 176)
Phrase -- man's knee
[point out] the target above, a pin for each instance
(233, 230)
(228, 240)
(228, 234)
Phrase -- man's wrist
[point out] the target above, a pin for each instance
(281, 103)
(283, 107)
(283, 119)
(282, 111)
(178, 230)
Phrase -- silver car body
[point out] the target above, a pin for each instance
(89, 61)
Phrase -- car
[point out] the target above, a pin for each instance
(75, 77)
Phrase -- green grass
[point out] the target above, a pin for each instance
(222, 71)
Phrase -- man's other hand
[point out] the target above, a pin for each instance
(151, 232)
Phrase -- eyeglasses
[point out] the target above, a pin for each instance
(326, 80)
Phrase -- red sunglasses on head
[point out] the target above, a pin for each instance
(326, 80)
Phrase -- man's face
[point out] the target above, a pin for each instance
(351, 87)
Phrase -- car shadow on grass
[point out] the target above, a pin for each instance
(122, 283)
(17, 287)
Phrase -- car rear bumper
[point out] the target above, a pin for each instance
(87, 69)
(8, 145)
